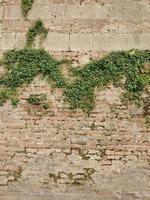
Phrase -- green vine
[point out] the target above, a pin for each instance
(37, 29)
(36, 100)
(22, 66)
(45, 106)
(112, 68)
(6, 94)
(40, 103)
(26, 6)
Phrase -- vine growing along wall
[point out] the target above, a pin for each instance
(22, 66)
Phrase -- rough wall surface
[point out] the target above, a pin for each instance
(69, 156)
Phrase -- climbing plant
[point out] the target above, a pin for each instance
(6, 94)
(37, 29)
(111, 68)
(26, 6)
(23, 65)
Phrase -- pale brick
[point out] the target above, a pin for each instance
(148, 153)
(20, 40)
(108, 152)
(73, 11)
(57, 42)
(3, 173)
(13, 12)
(3, 180)
(109, 42)
(95, 12)
(105, 162)
(48, 12)
(81, 42)
(8, 41)
(87, 11)
(43, 12)
(144, 41)
(42, 2)
(124, 11)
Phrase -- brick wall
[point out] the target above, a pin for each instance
(63, 155)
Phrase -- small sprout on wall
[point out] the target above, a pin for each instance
(26, 6)
(93, 125)
(15, 102)
(39, 104)
(6, 94)
(45, 106)
(147, 121)
(36, 99)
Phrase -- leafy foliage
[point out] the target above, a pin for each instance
(6, 94)
(26, 6)
(37, 29)
(111, 68)
(23, 65)
(45, 106)
(14, 102)
(41, 103)
(36, 100)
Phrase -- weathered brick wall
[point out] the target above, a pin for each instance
(63, 155)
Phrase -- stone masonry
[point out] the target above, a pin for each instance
(64, 155)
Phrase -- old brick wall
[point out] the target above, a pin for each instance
(69, 156)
